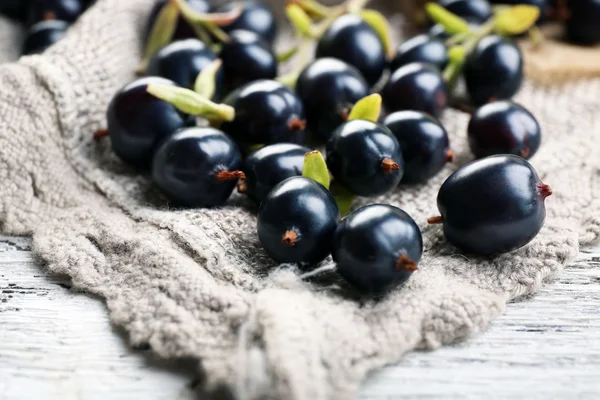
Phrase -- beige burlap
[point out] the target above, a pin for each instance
(196, 283)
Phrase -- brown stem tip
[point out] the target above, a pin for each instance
(345, 113)
(544, 190)
(297, 124)
(388, 166)
(525, 152)
(406, 264)
(224, 176)
(450, 157)
(242, 186)
(289, 238)
(435, 220)
(100, 133)
(48, 16)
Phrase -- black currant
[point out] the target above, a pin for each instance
(270, 165)
(377, 247)
(197, 167)
(421, 48)
(64, 10)
(16, 9)
(246, 58)
(473, 10)
(297, 220)
(265, 112)
(183, 29)
(424, 143)
(418, 87)
(257, 17)
(181, 61)
(503, 127)
(365, 158)
(329, 88)
(494, 70)
(493, 205)
(352, 40)
(43, 35)
(438, 31)
(583, 25)
(138, 121)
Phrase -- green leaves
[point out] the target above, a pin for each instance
(192, 103)
(161, 33)
(300, 20)
(205, 84)
(343, 198)
(516, 20)
(452, 23)
(380, 25)
(368, 108)
(315, 168)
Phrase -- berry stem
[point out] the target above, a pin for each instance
(404, 263)
(435, 220)
(100, 133)
(224, 176)
(289, 238)
(544, 190)
(388, 166)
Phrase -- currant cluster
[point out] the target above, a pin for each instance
(47, 20)
(218, 108)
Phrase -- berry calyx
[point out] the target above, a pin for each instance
(289, 238)
(224, 176)
(388, 166)
(404, 263)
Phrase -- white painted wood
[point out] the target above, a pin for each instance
(58, 344)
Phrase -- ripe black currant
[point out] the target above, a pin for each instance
(64, 10)
(421, 48)
(257, 17)
(43, 35)
(183, 29)
(473, 10)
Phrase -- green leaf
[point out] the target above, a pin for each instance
(380, 25)
(299, 19)
(190, 102)
(368, 108)
(315, 168)
(452, 23)
(343, 198)
(313, 8)
(517, 20)
(288, 54)
(457, 54)
(161, 33)
(205, 84)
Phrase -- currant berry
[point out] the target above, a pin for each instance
(256, 17)
(423, 49)
(64, 10)
(474, 10)
(43, 35)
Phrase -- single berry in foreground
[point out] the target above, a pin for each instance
(423, 49)
(472, 10)
(365, 158)
(43, 35)
(197, 167)
(246, 58)
(377, 247)
(269, 166)
(418, 87)
(256, 17)
(494, 71)
(491, 206)
(352, 40)
(329, 88)
(297, 220)
(181, 61)
(504, 127)
(424, 143)
(266, 112)
(138, 121)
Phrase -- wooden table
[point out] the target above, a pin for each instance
(56, 343)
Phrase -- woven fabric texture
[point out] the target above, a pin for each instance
(196, 283)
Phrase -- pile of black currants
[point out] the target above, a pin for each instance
(47, 20)
(214, 113)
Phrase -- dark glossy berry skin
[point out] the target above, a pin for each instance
(377, 247)
(43, 35)
(329, 88)
(257, 17)
(494, 71)
(418, 87)
(183, 29)
(504, 127)
(270, 165)
(297, 220)
(437, 31)
(352, 40)
(583, 26)
(493, 205)
(64, 10)
(423, 49)
(474, 10)
(181, 61)
(246, 58)
(424, 143)
(266, 112)
(365, 158)
(16, 9)
(138, 121)
(187, 167)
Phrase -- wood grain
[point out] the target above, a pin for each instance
(56, 343)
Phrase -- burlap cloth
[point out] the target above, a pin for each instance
(197, 283)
